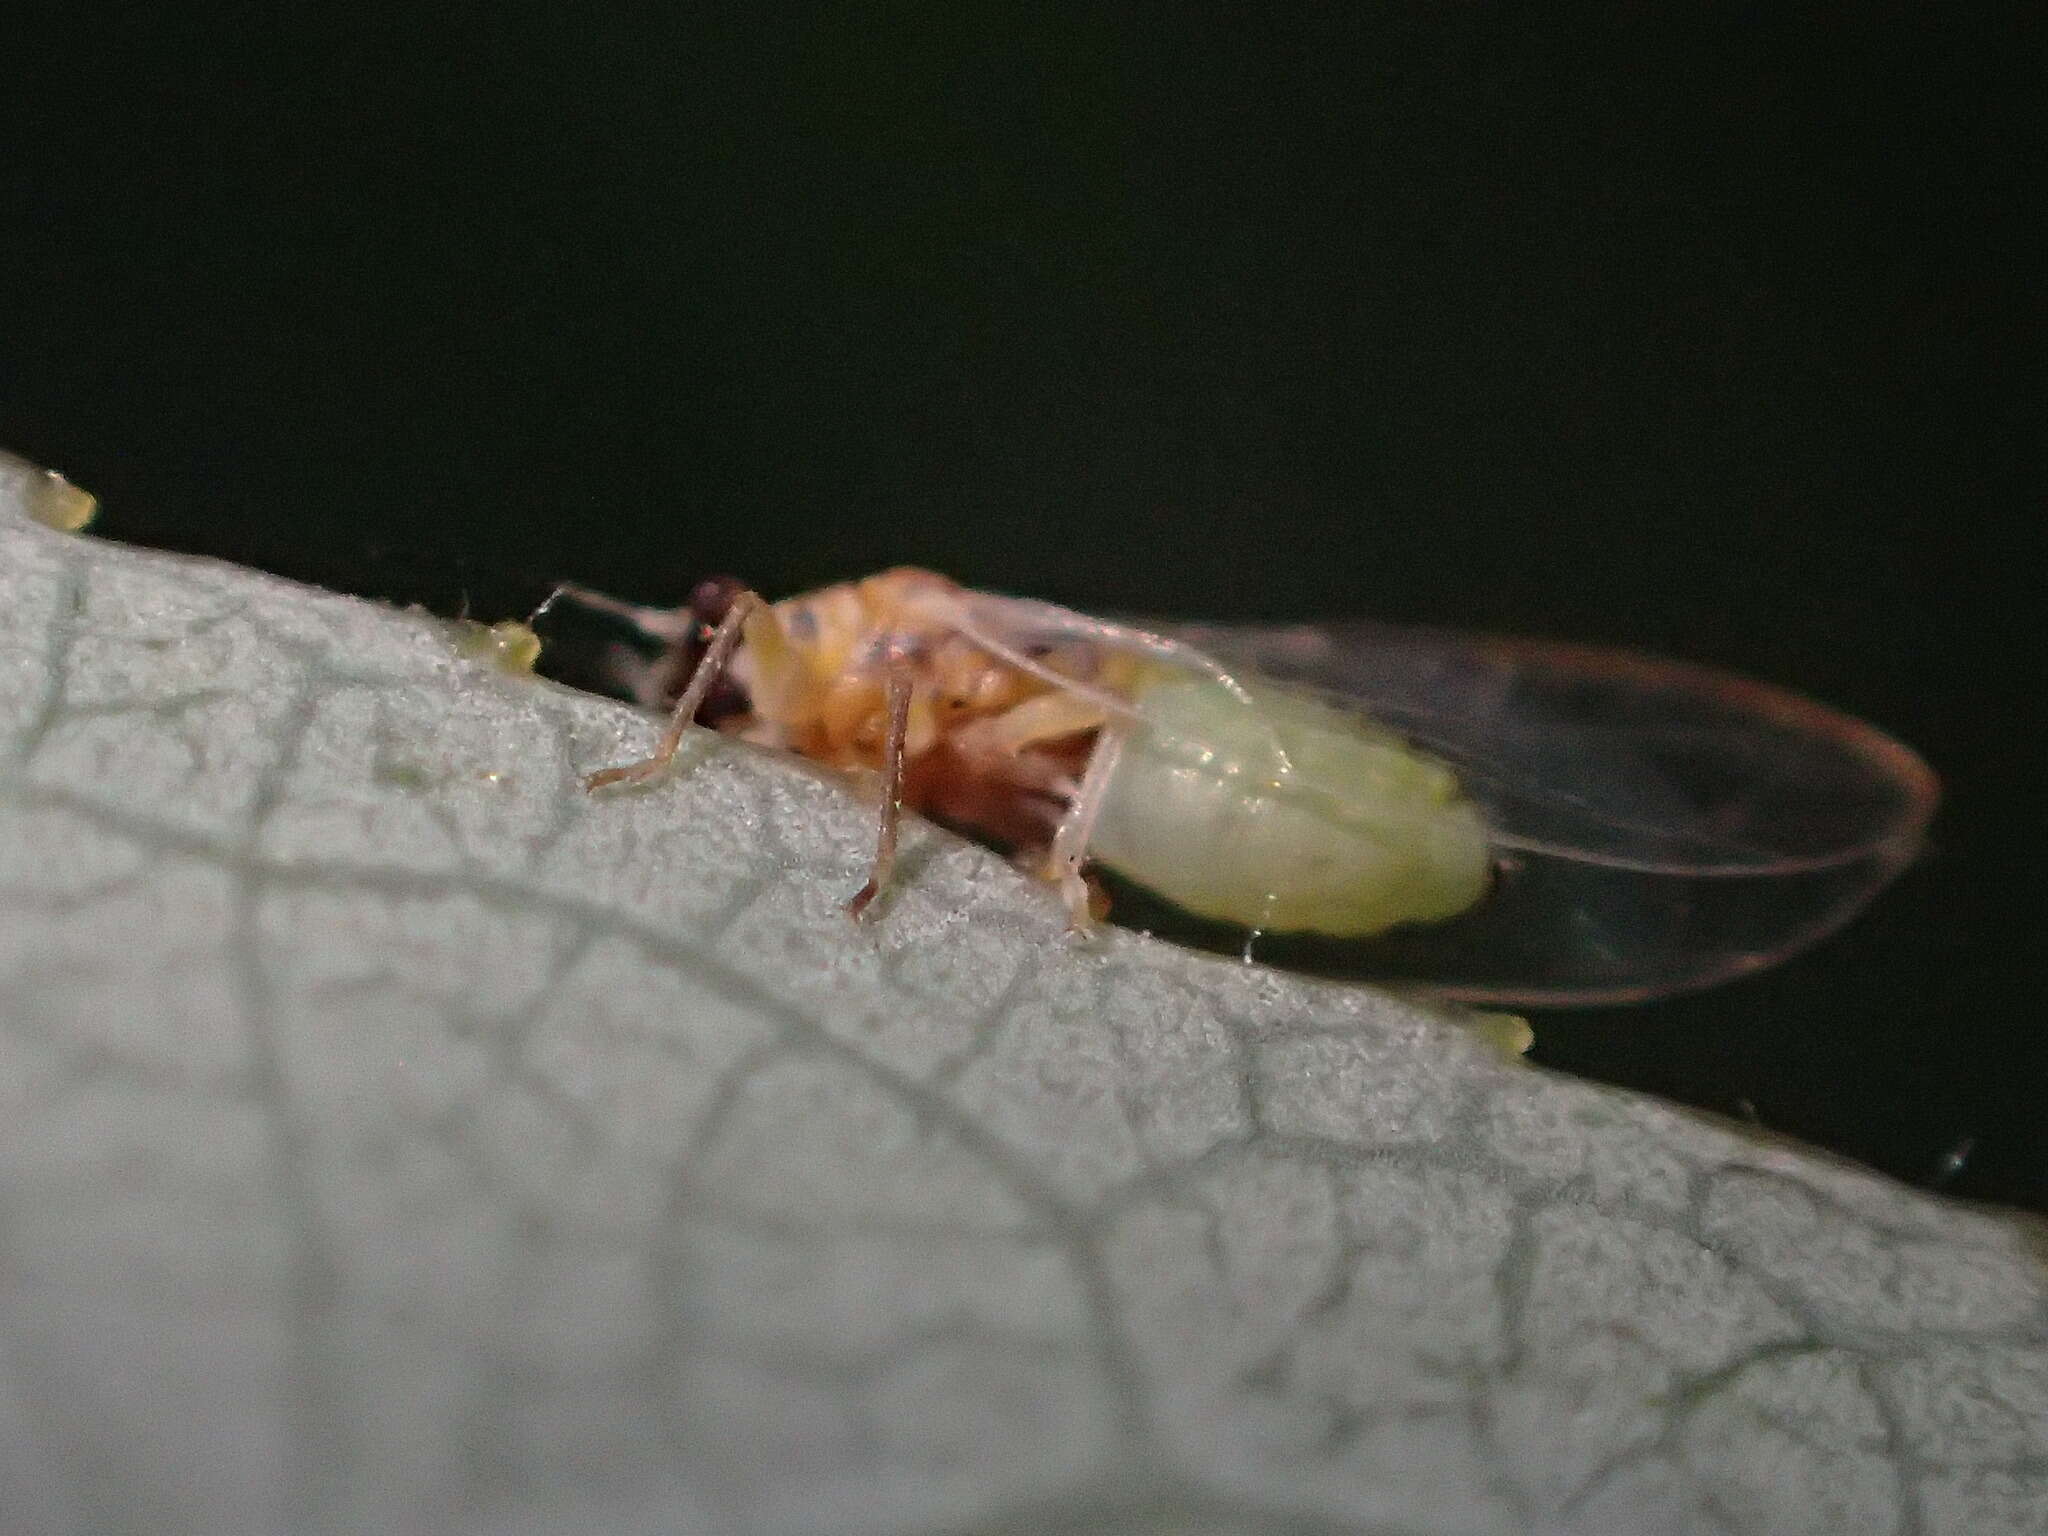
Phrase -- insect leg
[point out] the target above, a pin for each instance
(892, 788)
(1070, 842)
(1048, 717)
(1027, 615)
(1048, 621)
(650, 683)
(668, 625)
(969, 629)
(716, 655)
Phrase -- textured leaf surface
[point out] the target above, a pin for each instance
(392, 1138)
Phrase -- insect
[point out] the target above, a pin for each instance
(1496, 821)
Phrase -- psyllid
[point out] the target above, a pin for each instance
(1518, 821)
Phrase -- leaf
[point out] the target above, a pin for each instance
(396, 1138)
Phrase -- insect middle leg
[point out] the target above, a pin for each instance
(893, 750)
(717, 655)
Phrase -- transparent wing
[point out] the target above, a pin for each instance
(1662, 827)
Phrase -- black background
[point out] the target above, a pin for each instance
(1704, 334)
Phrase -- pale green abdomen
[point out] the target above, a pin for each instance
(1345, 830)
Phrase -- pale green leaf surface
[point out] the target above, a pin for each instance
(393, 1139)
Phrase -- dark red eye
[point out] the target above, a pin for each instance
(712, 598)
(710, 601)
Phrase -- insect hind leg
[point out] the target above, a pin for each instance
(984, 614)
(1070, 842)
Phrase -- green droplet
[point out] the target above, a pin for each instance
(57, 503)
(508, 644)
(1507, 1032)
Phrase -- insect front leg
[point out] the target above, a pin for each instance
(893, 751)
(1070, 841)
(717, 655)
